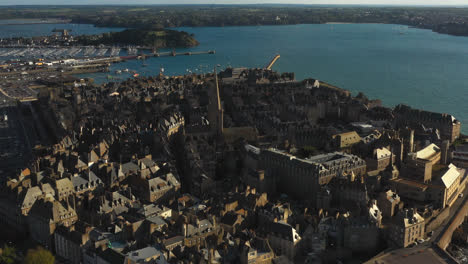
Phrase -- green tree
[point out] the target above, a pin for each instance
(8, 255)
(39, 255)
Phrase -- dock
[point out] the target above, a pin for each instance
(172, 54)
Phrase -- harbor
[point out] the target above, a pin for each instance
(75, 60)
(62, 52)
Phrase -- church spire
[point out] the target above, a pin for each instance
(216, 108)
(217, 90)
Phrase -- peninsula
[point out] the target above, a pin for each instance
(446, 20)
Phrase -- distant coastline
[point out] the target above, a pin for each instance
(32, 21)
(350, 23)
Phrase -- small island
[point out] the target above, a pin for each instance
(155, 38)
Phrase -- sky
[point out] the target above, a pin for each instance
(132, 2)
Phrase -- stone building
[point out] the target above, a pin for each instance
(419, 165)
(45, 216)
(171, 125)
(346, 140)
(361, 236)
(252, 174)
(448, 187)
(407, 228)
(64, 188)
(69, 241)
(157, 188)
(301, 178)
(460, 156)
(388, 203)
(282, 237)
(425, 180)
(380, 160)
(195, 234)
(448, 125)
(347, 191)
(257, 251)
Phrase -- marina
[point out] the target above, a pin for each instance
(15, 52)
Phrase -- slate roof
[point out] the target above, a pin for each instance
(29, 197)
(79, 183)
(156, 220)
(151, 209)
(173, 240)
(50, 210)
(64, 184)
(140, 255)
(450, 176)
(203, 226)
(129, 167)
(382, 153)
(427, 152)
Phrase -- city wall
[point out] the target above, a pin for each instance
(438, 220)
(457, 220)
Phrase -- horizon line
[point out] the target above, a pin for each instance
(233, 4)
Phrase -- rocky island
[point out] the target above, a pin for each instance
(158, 38)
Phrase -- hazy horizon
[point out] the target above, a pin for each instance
(230, 2)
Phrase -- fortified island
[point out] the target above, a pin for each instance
(240, 166)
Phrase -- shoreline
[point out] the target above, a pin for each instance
(357, 23)
(339, 23)
(71, 21)
(33, 21)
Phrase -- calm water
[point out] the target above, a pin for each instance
(31, 30)
(394, 63)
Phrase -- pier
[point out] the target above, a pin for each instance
(190, 53)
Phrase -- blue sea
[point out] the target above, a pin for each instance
(395, 63)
